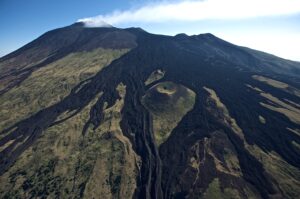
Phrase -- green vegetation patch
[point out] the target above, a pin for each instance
(155, 76)
(220, 111)
(50, 84)
(168, 103)
(288, 109)
(213, 190)
(262, 119)
(277, 84)
(64, 163)
(286, 175)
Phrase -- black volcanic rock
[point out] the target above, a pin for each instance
(240, 140)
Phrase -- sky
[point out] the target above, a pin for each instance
(272, 26)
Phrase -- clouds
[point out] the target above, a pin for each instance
(191, 11)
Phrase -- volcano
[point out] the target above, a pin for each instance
(104, 112)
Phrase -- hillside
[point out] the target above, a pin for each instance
(122, 113)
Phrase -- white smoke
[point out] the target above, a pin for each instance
(95, 23)
(192, 10)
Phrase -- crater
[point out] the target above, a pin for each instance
(167, 102)
(168, 88)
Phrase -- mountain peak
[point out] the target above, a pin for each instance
(92, 23)
(181, 36)
(78, 24)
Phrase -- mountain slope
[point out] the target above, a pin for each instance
(121, 113)
(55, 45)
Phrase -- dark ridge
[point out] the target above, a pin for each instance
(181, 36)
